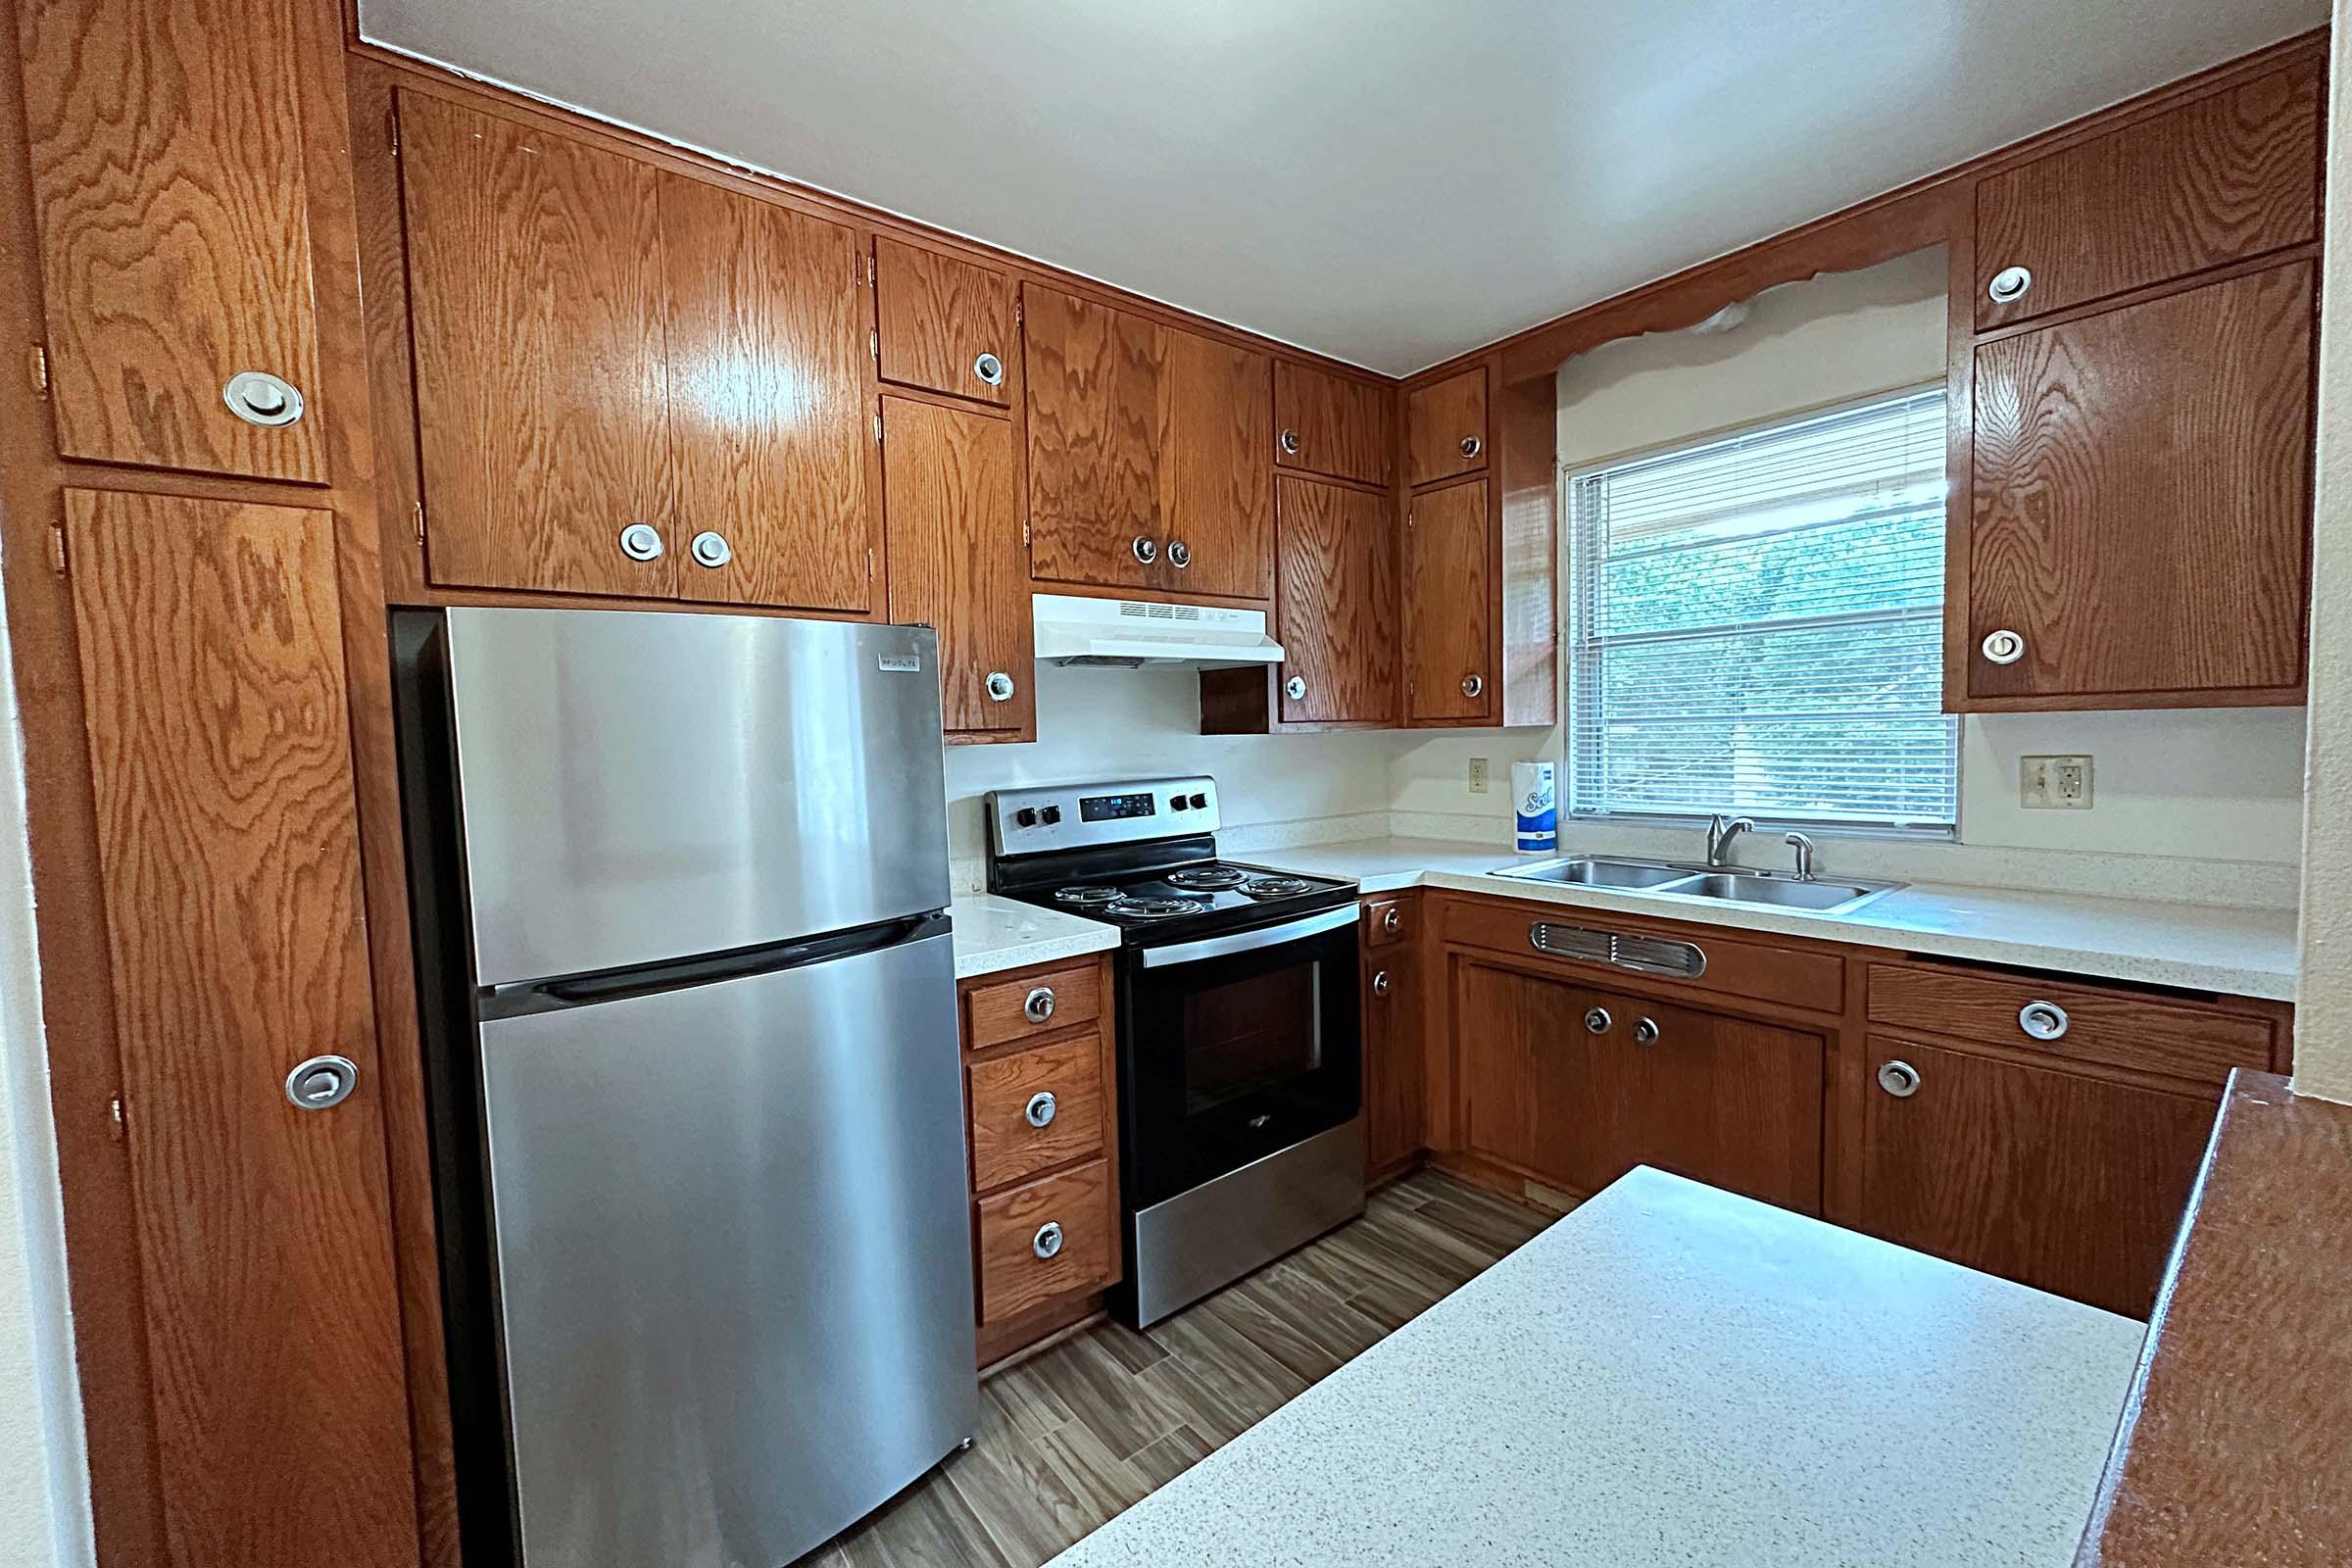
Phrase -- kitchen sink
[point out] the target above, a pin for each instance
(1741, 887)
(1668, 880)
(1599, 871)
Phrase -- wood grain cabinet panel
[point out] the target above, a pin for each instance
(1396, 1086)
(2142, 497)
(1064, 1084)
(770, 425)
(2229, 175)
(1217, 496)
(1445, 427)
(211, 647)
(535, 286)
(940, 320)
(1333, 426)
(168, 150)
(1005, 1010)
(1336, 613)
(2097, 1024)
(2065, 1182)
(949, 495)
(1446, 587)
(1097, 430)
(1018, 1272)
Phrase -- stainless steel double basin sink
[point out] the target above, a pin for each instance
(1823, 895)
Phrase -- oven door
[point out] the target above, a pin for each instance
(1237, 1046)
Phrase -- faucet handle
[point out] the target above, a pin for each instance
(1803, 847)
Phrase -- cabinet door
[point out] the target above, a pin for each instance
(1395, 1080)
(955, 559)
(1448, 582)
(1445, 427)
(167, 143)
(1337, 615)
(943, 323)
(2142, 496)
(535, 277)
(2068, 1183)
(771, 433)
(211, 650)
(1333, 425)
(2229, 176)
(1096, 431)
(1219, 489)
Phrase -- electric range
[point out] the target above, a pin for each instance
(1241, 1059)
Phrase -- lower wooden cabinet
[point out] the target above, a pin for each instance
(1396, 1079)
(1048, 1237)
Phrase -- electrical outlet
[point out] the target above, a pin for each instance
(2053, 783)
(1478, 775)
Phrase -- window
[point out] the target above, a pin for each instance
(1758, 625)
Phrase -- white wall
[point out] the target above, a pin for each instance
(2324, 1003)
(2220, 790)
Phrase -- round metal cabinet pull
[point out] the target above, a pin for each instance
(1040, 1110)
(711, 549)
(1380, 984)
(1146, 551)
(1295, 688)
(1597, 1020)
(1047, 1240)
(1899, 1079)
(2009, 285)
(2003, 647)
(1180, 554)
(641, 540)
(259, 398)
(2043, 1020)
(1393, 921)
(988, 368)
(323, 1082)
(1289, 443)
(1038, 1006)
(1473, 685)
(1645, 1031)
(1472, 446)
(999, 686)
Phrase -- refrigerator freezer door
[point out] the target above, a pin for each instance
(642, 786)
(733, 1264)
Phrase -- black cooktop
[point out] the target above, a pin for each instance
(1176, 902)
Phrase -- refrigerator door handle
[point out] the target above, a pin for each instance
(645, 980)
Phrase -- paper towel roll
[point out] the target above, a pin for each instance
(1537, 806)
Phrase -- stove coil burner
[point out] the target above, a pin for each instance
(1154, 908)
(1276, 887)
(1086, 898)
(1206, 878)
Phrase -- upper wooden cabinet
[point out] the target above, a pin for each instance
(1147, 453)
(168, 143)
(2227, 177)
(1337, 611)
(1333, 425)
(629, 382)
(1448, 581)
(1445, 427)
(943, 323)
(949, 500)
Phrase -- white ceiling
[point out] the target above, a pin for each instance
(1391, 182)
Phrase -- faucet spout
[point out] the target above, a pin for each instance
(1719, 834)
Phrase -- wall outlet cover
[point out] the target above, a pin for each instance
(1478, 775)
(2053, 783)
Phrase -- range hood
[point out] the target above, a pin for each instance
(1130, 633)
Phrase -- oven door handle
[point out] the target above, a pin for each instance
(1247, 941)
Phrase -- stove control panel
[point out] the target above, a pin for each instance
(1072, 817)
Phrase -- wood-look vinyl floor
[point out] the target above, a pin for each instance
(1075, 1435)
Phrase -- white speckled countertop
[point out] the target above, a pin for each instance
(1675, 1376)
(2247, 953)
(993, 934)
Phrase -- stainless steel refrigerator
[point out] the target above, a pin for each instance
(681, 889)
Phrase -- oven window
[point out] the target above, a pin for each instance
(1250, 1034)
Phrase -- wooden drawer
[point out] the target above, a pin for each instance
(996, 1013)
(1793, 973)
(2115, 1027)
(1006, 1146)
(1387, 921)
(1013, 1278)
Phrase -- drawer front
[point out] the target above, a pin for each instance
(1797, 976)
(1082, 1205)
(1387, 921)
(1023, 1010)
(1034, 1109)
(2074, 1022)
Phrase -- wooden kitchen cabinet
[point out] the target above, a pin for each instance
(943, 323)
(1336, 604)
(1217, 490)
(1396, 1081)
(1446, 597)
(168, 145)
(1334, 425)
(1445, 427)
(949, 500)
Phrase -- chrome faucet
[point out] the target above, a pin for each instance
(1803, 847)
(1719, 834)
